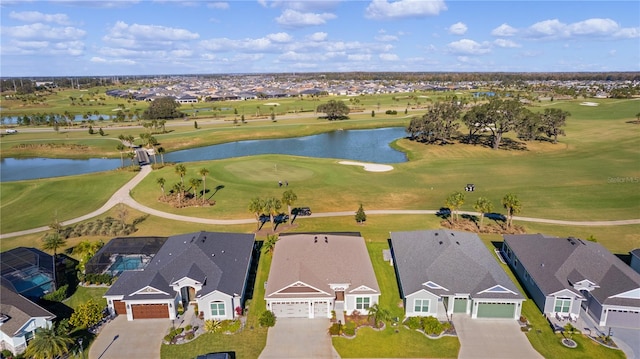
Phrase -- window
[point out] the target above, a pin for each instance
(562, 305)
(421, 305)
(217, 309)
(363, 302)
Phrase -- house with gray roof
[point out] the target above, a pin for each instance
(209, 269)
(313, 274)
(563, 275)
(19, 319)
(444, 272)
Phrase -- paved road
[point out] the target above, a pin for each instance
(123, 196)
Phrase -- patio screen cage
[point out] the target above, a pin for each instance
(25, 260)
(147, 246)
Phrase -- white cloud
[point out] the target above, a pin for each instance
(42, 31)
(383, 9)
(458, 28)
(36, 16)
(505, 43)
(386, 38)
(245, 45)
(504, 30)
(318, 36)
(98, 59)
(218, 5)
(293, 18)
(280, 37)
(181, 53)
(150, 32)
(593, 28)
(389, 57)
(468, 47)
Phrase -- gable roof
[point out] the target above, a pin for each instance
(446, 262)
(18, 310)
(218, 260)
(556, 263)
(341, 259)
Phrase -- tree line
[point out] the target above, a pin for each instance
(498, 116)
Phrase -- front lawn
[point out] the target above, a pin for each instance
(84, 294)
(386, 343)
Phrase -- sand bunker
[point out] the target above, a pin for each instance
(371, 167)
(589, 104)
(271, 104)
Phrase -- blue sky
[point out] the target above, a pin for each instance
(144, 37)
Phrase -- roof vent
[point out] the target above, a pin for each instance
(326, 240)
(458, 243)
(453, 234)
(315, 239)
(435, 234)
(440, 242)
(223, 251)
(213, 254)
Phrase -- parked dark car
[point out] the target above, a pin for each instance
(301, 211)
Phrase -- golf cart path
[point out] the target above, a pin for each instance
(123, 196)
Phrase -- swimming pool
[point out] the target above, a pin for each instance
(127, 262)
(35, 284)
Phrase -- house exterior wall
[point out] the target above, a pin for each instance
(550, 302)
(204, 305)
(350, 302)
(410, 301)
(18, 343)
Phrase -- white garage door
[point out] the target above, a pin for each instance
(320, 310)
(290, 309)
(623, 318)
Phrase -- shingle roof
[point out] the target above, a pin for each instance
(554, 263)
(218, 260)
(457, 261)
(341, 259)
(19, 310)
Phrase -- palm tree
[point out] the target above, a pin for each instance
(256, 206)
(132, 156)
(161, 152)
(120, 149)
(195, 183)
(161, 181)
(52, 241)
(181, 170)
(204, 172)
(513, 206)
(483, 205)
(179, 189)
(378, 314)
(85, 250)
(47, 344)
(272, 205)
(454, 202)
(289, 198)
(269, 244)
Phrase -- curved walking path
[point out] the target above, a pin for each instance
(123, 196)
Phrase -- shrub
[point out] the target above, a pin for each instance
(58, 295)
(189, 336)
(212, 326)
(413, 323)
(188, 327)
(350, 329)
(391, 112)
(267, 319)
(431, 325)
(335, 329)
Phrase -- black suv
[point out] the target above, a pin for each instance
(301, 211)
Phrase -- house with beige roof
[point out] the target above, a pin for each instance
(313, 274)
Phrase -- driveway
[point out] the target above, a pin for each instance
(123, 339)
(492, 339)
(628, 340)
(299, 338)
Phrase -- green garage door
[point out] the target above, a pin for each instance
(496, 310)
(460, 305)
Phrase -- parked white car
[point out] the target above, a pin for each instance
(11, 131)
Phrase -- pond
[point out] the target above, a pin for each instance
(357, 145)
